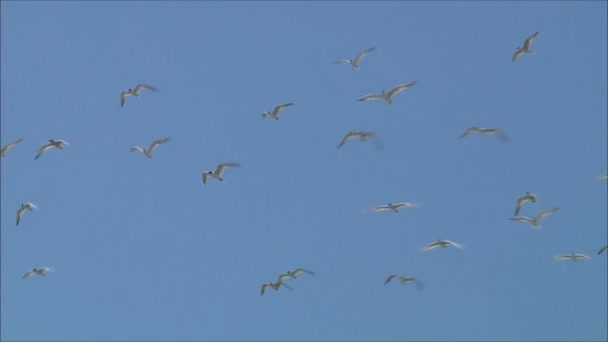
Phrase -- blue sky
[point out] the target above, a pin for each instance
(144, 251)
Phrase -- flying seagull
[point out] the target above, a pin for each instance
(363, 136)
(440, 243)
(572, 256)
(275, 112)
(293, 274)
(387, 96)
(535, 221)
(523, 199)
(355, 62)
(526, 48)
(39, 271)
(217, 174)
(499, 133)
(153, 145)
(394, 207)
(134, 92)
(404, 280)
(602, 250)
(52, 143)
(274, 286)
(602, 177)
(24, 207)
(8, 146)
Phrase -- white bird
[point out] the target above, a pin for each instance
(535, 221)
(387, 96)
(526, 48)
(217, 174)
(573, 256)
(404, 280)
(52, 143)
(602, 177)
(153, 145)
(602, 250)
(23, 208)
(39, 271)
(523, 199)
(395, 207)
(355, 62)
(499, 133)
(362, 135)
(9, 146)
(274, 286)
(440, 243)
(275, 112)
(293, 274)
(134, 92)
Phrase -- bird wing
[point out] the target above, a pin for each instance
(302, 270)
(282, 276)
(205, 175)
(27, 274)
(562, 257)
(343, 61)
(390, 277)
(517, 53)
(457, 245)
(263, 289)
(155, 144)
(371, 97)
(546, 213)
(529, 40)
(381, 208)
(400, 88)
(469, 130)
(136, 149)
(280, 107)
(20, 212)
(405, 205)
(143, 86)
(362, 54)
(522, 219)
(346, 137)
(431, 246)
(43, 149)
(123, 96)
(584, 256)
(220, 168)
(602, 249)
(501, 135)
(10, 145)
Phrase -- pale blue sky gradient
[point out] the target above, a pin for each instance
(143, 251)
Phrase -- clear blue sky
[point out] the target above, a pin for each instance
(143, 251)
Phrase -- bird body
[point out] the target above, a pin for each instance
(217, 174)
(9, 146)
(535, 221)
(274, 113)
(23, 208)
(148, 152)
(134, 92)
(51, 144)
(524, 49)
(355, 62)
(387, 97)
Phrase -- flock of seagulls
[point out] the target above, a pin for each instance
(362, 136)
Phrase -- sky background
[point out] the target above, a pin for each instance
(144, 251)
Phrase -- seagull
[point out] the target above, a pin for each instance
(355, 63)
(24, 207)
(293, 274)
(572, 256)
(535, 221)
(440, 243)
(52, 143)
(404, 280)
(134, 92)
(153, 145)
(387, 96)
(8, 146)
(38, 271)
(217, 174)
(602, 250)
(501, 135)
(275, 112)
(394, 207)
(599, 178)
(274, 286)
(526, 48)
(523, 199)
(363, 136)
